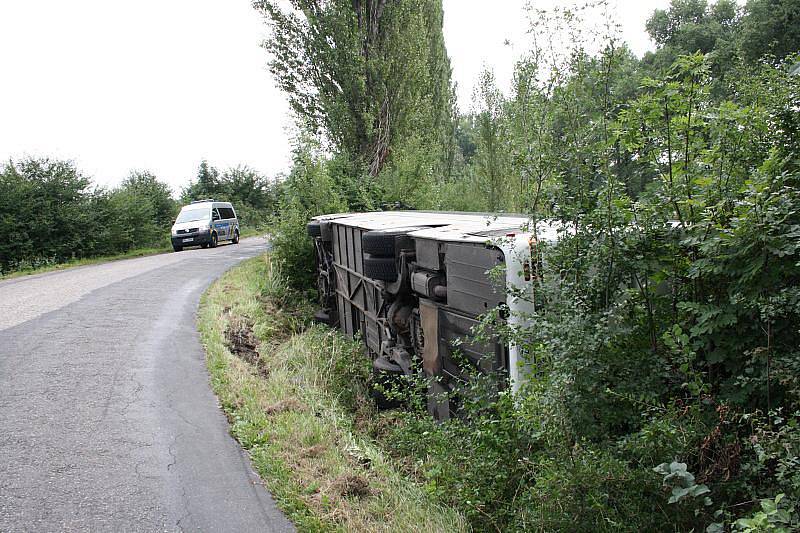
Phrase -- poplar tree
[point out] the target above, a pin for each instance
(364, 74)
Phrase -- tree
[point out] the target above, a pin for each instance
(691, 26)
(683, 24)
(42, 212)
(141, 212)
(253, 195)
(770, 27)
(244, 185)
(732, 33)
(366, 74)
(206, 184)
(492, 156)
(146, 187)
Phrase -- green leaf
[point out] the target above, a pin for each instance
(678, 493)
(662, 469)
(746, 523)
(675, 466)
(768, 506)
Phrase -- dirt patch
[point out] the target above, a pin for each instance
(242, 342)
(314, 451)
(720, 459)
(349, 485)
(289, 404)
(305, 447)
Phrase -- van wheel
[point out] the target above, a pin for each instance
(213, 243)
(177, 248)
(204, 245)
(236, 237)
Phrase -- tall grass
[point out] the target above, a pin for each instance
(293, 411)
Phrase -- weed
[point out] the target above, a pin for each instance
(295, 418)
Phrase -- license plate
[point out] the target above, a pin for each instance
(188, 240)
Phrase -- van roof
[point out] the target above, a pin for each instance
(206, 203)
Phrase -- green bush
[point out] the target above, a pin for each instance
(315, 186)
(252, 194)
(667, 324)
(292, 247)
(50, 213)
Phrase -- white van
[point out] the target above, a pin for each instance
(205, 223)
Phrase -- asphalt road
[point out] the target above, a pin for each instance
(107, 419)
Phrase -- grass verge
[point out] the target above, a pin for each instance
(140, 252)
(294, 398)
(252, 232)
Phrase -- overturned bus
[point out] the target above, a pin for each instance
(413, 285)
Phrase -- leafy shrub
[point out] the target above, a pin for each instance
(655, 345)
(667, 315)
(50, 213)
(315, 186)
(292, 246)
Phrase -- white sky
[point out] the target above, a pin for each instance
(161, 84)
(476, 35)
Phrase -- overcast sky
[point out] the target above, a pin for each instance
(161, 84)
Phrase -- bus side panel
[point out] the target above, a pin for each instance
(469, 286)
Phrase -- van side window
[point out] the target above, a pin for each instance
(226, 212)
(214, 214)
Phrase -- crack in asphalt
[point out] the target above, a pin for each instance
(183, 418)
(186, 514)
(172, 453)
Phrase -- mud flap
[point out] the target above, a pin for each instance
(438, 399)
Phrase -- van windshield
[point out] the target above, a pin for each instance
(190, 215)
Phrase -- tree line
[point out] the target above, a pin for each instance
(666, 393)
(50, 212)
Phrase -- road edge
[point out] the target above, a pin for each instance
(321, 471)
